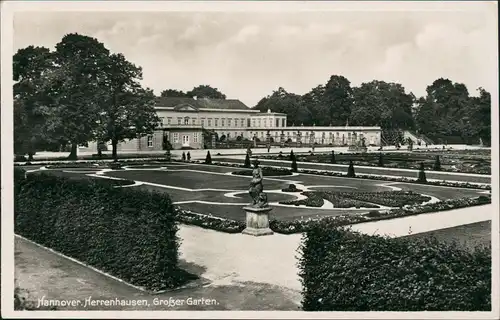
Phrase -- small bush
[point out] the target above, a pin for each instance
(183, 156)
(347, 271)
(373, 213)
(380, 160)
(332, 160)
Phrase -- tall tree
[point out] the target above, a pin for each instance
(126, 109)
(384, 104)
(174, 93)
(338, 97)
(77, 87)
(206, 91)
(31, 103)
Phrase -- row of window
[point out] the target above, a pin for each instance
(175, 136)
(230, 122)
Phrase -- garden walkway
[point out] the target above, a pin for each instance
(242, 272)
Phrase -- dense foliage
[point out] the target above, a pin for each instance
(447, 113)
(128, 233)
(359, 199)
(342, 270)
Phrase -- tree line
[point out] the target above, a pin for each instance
(447, 111)
(82, 92)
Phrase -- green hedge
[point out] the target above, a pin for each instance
(346, 271)
(128, 233)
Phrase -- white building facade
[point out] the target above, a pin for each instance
(185, 122)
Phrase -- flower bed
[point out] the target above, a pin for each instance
(339, 200)
(388, 198)
(208, 222)
(266, 171)
(299, 226)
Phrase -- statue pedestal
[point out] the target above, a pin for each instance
(257, 221)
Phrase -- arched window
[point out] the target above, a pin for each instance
(186, 120)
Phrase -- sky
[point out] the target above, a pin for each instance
(247, 55)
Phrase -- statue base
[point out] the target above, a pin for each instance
(257, 221)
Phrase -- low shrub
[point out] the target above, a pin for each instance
(348, 271)
(129, 233)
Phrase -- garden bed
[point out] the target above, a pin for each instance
(266, 172)
(300, 226)
(466, 185)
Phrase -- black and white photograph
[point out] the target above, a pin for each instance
(250, 159)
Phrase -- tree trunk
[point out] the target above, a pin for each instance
(73, 155)
(114, 143)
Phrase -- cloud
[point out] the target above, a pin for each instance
(247, 55)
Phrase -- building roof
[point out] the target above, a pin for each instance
(202, 103)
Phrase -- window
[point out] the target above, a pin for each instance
(193, 122)
(253, 122)
(277, 122)
(229, 122)
(176, 137)
(160, 124)
(283, 122)
(223, 122)
(265, 122)
(216, 124)
(179, 120)
(202, 122)
(228, 135)
(248, 123)
(209, 122)
(242, 123)
(186, 120)
(288, 134)
(150, 141)
(195, 137)
(169, 120)
(270, 122)
(258, 123)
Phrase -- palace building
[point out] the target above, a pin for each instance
(186, 122)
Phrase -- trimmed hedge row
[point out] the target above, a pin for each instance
(128, 233)
(342, 270)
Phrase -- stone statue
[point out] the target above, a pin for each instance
(259, 198)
